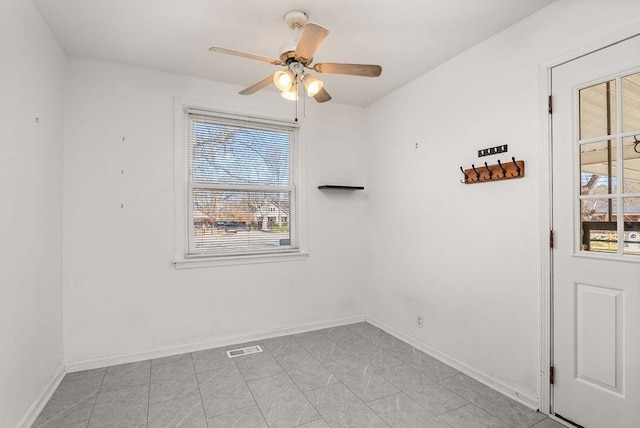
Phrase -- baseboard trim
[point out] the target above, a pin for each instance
(32, 414)
(511, 392)
(111, 360)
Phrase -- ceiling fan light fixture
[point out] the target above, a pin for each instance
(296, 56)
(283, 79)
(311, 84)
(291, 94)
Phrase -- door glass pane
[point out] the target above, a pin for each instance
(631, 103)
(631, 226)
(599, 227)
(598, 168)
(598, 110)
(631, 164)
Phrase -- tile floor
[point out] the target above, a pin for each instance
(349, 376)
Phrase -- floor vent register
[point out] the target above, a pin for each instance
(244, 351)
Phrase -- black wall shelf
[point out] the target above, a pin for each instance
(333, 186)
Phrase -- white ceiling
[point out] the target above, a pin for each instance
(406, 37)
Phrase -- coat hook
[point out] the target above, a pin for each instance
(517, 167)
(466, 177)
(488, 170)
(635, 143)
(504, 171)
(476, 171)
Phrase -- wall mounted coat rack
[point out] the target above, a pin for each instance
(495, 172)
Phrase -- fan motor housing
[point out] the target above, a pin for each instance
(288, 54)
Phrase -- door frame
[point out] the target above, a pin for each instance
(546, 205)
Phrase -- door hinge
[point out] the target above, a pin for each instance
(551, 239)
(550, 104)
(551, 373)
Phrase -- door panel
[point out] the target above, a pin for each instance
(596, 219)
(599, 332)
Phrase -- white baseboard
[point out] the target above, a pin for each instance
(76, 366)
(37, 406)
(511, 392)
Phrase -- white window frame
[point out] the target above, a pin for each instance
(618, 136)
(182, 195)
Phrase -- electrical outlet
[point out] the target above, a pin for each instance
(419, 321)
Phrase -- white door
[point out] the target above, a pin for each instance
(596, 222)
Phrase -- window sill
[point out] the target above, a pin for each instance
(202, 262)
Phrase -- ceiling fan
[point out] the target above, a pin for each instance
(297, 57)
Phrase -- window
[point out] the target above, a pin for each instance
(609, 153)
(241, 191)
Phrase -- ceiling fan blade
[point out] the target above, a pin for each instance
(366, 70)
(322, 96)
(312, 37)
(247, 55)
(257, 86)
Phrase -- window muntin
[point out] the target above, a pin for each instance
(241, 186)
(609, 193)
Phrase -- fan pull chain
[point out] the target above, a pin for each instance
(297, 91)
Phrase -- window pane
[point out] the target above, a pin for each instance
(631, 164)
(240, 222)
(228, 154)
(598, 168)
(599, 232)
(631, 226)
(598, 110)
(631, 103)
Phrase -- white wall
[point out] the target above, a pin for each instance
(122, 293)
(31, 86)
(468, 257)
